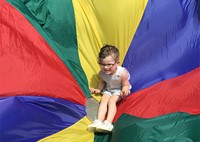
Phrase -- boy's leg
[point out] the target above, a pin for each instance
(103, 107)
(112, 107)
(107, 126)
(101, 113)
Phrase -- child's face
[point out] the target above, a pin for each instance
(109, 65)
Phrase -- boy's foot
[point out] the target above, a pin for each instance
(96, 123)
(106, 127)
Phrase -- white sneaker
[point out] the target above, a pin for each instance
(96, 123)
(106, 127)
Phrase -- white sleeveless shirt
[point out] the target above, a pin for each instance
(113, 82)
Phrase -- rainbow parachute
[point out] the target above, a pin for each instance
(48, 62)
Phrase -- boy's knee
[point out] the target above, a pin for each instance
(111, 102)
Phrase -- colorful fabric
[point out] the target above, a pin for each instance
(48, 62)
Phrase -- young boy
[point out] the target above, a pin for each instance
(114, 86)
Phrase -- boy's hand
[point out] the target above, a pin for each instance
(125, 91)
(95, 91)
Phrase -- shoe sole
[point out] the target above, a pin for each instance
(92, 129)
(103, 130)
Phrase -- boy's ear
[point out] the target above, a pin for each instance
(118, 62)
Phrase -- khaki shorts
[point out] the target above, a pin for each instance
(112, 92)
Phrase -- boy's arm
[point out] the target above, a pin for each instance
(125, 84)
(100, 87)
